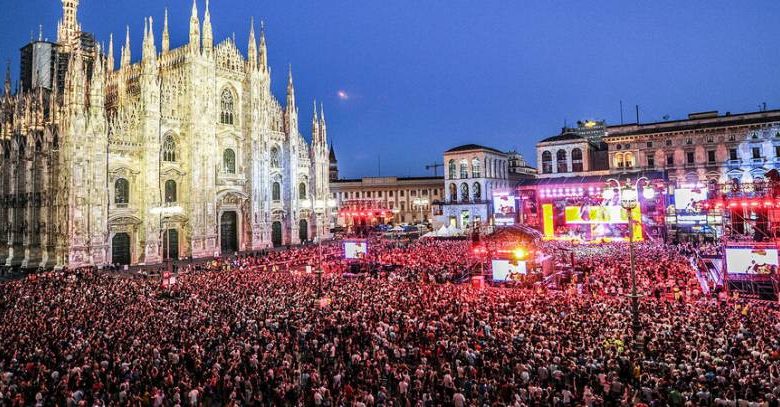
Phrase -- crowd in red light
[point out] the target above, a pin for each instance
(249, 332)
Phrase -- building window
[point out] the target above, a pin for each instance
(688, 141)
(302, 190)
(121, 192)
(628, 160)
(669, 142)
(413, 193)
(560, 157)
(670, 160)
(476, 168)
(276, 191)
(731, 137)
(650, 160)
(477, 192)
(379, 194)
(226, 107)
(576, 160)
(402, 193)
(649, 144)
(464, 169)
(169, 149)
(733, 154)
(777, 151)
(452, 169)
(453, 193)
(229, 161)
(547, 162)
(711, 156)
(618, 147)
(424, 192)
(756, 152)
(170, 191)
(275, 162)
(618, 160)
(710, 139)
(390, 194)
(689, 157)
(464, 192)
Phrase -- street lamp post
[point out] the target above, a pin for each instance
(629, 200)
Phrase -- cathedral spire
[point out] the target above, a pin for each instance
(166, 37)
(290, 89)
(315, 126)
(75, 82)
(110, 54)
(194, 28)
(69, 25)
(252, 48)
(263, 50)
(96, 95)
(322, 115)
(149, 50)
(208, 36)
(126, 49)
(8, 78)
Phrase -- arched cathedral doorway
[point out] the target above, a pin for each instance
(120, 249)
(229, 232)
(276, 233)
(303, 230)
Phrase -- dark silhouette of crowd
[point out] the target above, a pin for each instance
(250, 332)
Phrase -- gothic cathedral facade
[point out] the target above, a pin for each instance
(185, 153)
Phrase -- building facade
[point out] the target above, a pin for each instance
(386, 200)
(473, 174)
(185, 153)
(703, 156)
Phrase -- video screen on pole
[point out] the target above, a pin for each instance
(355, 250)
(595, 214)
(751, 260)
(507, 270)
(504, 208)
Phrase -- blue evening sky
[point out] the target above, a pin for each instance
(422, 76)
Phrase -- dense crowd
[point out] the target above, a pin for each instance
(251, 332)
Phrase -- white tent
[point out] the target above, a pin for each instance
(443, 232)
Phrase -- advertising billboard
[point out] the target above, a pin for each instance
(504, 209)
(751, 260)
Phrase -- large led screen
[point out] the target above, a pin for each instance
(595, 214)
(748, 260)
(504, 209)
(355, 250)
(686, 199)
(506, 270)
